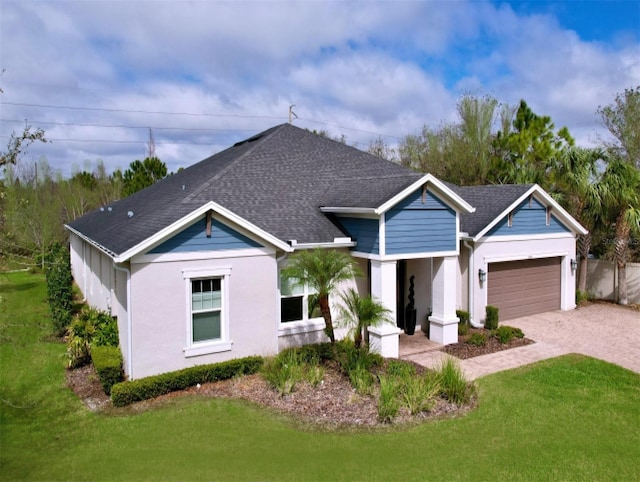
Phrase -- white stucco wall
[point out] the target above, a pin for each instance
(93, 273)
(509, 249)
(160, 301)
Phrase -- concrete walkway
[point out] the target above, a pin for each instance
(599, 330)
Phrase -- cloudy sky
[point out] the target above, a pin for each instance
(96, 75)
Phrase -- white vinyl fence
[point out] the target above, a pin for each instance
(602, 280)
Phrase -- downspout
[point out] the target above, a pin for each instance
(129, 327)
(470, 289)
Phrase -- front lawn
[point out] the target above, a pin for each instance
(570, 418)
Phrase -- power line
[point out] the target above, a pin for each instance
(102, 109)
(122, 126)
(112, 141)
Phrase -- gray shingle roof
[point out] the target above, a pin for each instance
(489, 202)
(276, 180)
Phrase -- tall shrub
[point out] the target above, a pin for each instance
(491, 320)
(59, 287)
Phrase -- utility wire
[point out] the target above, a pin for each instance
(112, 141)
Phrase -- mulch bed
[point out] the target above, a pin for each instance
(464, 350)
(334, 404)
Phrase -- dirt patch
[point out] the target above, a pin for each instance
(333, 404)
(465, 350)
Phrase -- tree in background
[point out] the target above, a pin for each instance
(380, 148)
(528, 150)
(459, 152)
(622, 118)
(18, 144)
(621, 195)
(577, 187)
(141, 174)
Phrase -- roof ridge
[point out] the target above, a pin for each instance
(259, 139)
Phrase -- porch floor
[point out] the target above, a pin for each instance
(414, 344)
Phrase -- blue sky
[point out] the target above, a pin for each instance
(203, 75)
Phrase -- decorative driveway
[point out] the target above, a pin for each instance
(600, 330)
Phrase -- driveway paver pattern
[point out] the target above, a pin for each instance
(600, 330)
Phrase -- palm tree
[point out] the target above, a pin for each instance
(576, 181)
(359, 313)
(621, 183)
(322, 270)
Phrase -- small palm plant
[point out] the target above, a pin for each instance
(322, 270)
(358, 313)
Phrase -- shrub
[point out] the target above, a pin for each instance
(349, 357)
(314, 373)
(361, 379)
(582, 296)
(283, 372)
(477, 339)
(506, 333)
(89, 327)
(59, 287)
(453, 384)
(419, 393)
(320, 352)
(388, 404)
(107, 361)
(125, 393)
(400, 369)
(463, 329)
(464, 316)
(79, 339)
(491, 320)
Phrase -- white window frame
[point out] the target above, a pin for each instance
(306, 324)
(207, 347)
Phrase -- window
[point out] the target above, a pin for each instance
(297, 302)
(207, 311)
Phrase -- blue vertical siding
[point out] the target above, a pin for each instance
(528, 218)
(412, 226)
(194, 238)
(366, 232)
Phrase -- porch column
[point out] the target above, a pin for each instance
(385, 338)
(443, 320)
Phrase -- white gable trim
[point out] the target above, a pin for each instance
(194, 216)
(450, 197)
(540, 194)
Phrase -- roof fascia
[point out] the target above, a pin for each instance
(558, 210)
(106, 251)
(195, 214)
(335, 244)
(439, 188)
(345, 210)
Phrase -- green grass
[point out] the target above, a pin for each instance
(570, 418)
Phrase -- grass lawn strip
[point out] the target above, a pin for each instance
(569, 418)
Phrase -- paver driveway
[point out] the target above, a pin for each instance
(599, 330)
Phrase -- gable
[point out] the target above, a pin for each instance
(194, 238)
(529, 218)
(420, 223)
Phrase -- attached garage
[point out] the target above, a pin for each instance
(525, 287)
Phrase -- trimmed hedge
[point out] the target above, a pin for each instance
(107, 360)
(125, 393)
(491, 321)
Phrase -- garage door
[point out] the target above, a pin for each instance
(527, 287)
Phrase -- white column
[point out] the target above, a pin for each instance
(385, 339)
(443, 320)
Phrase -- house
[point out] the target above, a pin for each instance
(190, 266)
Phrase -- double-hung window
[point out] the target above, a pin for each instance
(207, 311)
(297, 302)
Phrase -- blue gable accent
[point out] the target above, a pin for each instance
(412, 226)
(528, 218)
(194, 238)
(365, 231)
